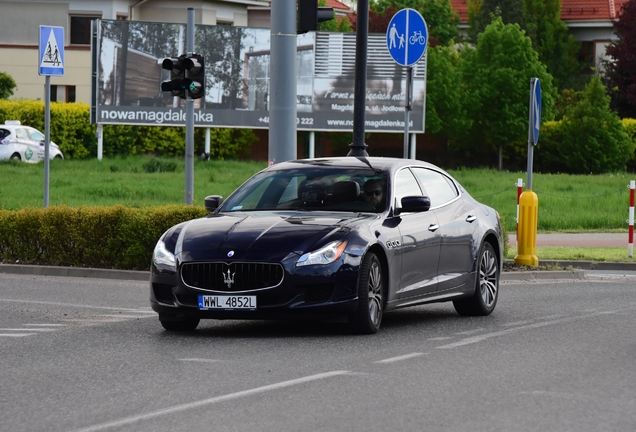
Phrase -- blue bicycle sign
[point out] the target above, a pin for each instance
(417, 37)
(407, 25)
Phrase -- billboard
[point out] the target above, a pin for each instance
(128, 74)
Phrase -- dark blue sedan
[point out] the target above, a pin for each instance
(347, 238)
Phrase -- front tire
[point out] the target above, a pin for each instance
(15, 156)
(368, 317)
(182, 325)
(484, 300)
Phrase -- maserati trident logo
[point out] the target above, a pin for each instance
(229, 279)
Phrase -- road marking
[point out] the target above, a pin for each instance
(197, 404)
(400, 358)
(75, 305)
(45, 325)
(480, 338)
(440, 338)
(202, 360)
(469, 332)
(28, 329)
(124, 316)
(16, 334)
(518, 323)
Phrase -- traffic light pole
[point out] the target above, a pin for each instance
(282, 100)
(188, 194)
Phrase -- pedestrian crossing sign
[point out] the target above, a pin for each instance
(51, 52)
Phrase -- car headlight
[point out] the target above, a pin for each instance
(324, 255)
(163, 258)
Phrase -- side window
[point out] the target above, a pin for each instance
(21, 133)
(406, 185)
(440, 188)
(4, 133)
(36, 135)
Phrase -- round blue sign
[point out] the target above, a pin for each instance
(407, 37)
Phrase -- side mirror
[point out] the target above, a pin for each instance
(213, 202)
(414, 204)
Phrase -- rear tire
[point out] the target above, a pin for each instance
(181, 325)
(15, 156)
(368, 317)
(484, 300)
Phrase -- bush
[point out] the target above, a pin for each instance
(99, 237)
(590, 139)
(630, 129)
(72, 131)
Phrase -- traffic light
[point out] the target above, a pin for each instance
(187, 74)
(195, 80)
(309, 15)
(177, 74)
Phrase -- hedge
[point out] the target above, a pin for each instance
(70, 128)
(97, 237)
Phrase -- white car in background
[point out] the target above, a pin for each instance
(24, 143)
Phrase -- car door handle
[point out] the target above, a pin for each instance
(471, 218)
(433, 227)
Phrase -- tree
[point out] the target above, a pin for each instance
(441, 19)
(594, 140)
(481, 13)
(445, 113)
(496, 76)
(550, 37)
(7, 85)
(621, 70)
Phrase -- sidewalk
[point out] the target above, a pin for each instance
(577, 239)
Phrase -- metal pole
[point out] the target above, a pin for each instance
(407, 110)
(312, 144)
(282, 102)
(358, 147)
(47, 136)
(100, 141)
(188, 194)
(207, 141)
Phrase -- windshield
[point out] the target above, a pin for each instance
(331, 189)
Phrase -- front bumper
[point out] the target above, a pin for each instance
(306, 293)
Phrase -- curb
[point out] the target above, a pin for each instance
(577, 271)
(75, 272)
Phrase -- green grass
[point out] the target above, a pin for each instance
(76, 183)
(608, 254)
(567, 203)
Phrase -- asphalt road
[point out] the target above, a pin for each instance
(89, 355)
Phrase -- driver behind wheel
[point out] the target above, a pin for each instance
(373, 193)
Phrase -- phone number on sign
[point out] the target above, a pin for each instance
(299, 120)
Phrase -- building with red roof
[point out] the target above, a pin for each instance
(590, 21)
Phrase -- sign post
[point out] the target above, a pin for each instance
(51, 62)
(528, 201)
(406, 40)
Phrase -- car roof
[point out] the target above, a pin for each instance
(375, 163)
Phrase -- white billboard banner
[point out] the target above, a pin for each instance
(128, 76)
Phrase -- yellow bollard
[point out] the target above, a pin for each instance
(527, 232)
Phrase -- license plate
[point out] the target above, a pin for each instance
(227, 302)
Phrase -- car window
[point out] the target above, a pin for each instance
(4, 133)
(440, 189)
(21, 133)
(333, 189)
(36, 135)
(406, 185)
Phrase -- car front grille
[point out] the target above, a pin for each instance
(232, 277)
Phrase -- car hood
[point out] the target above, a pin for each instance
(244, 236)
